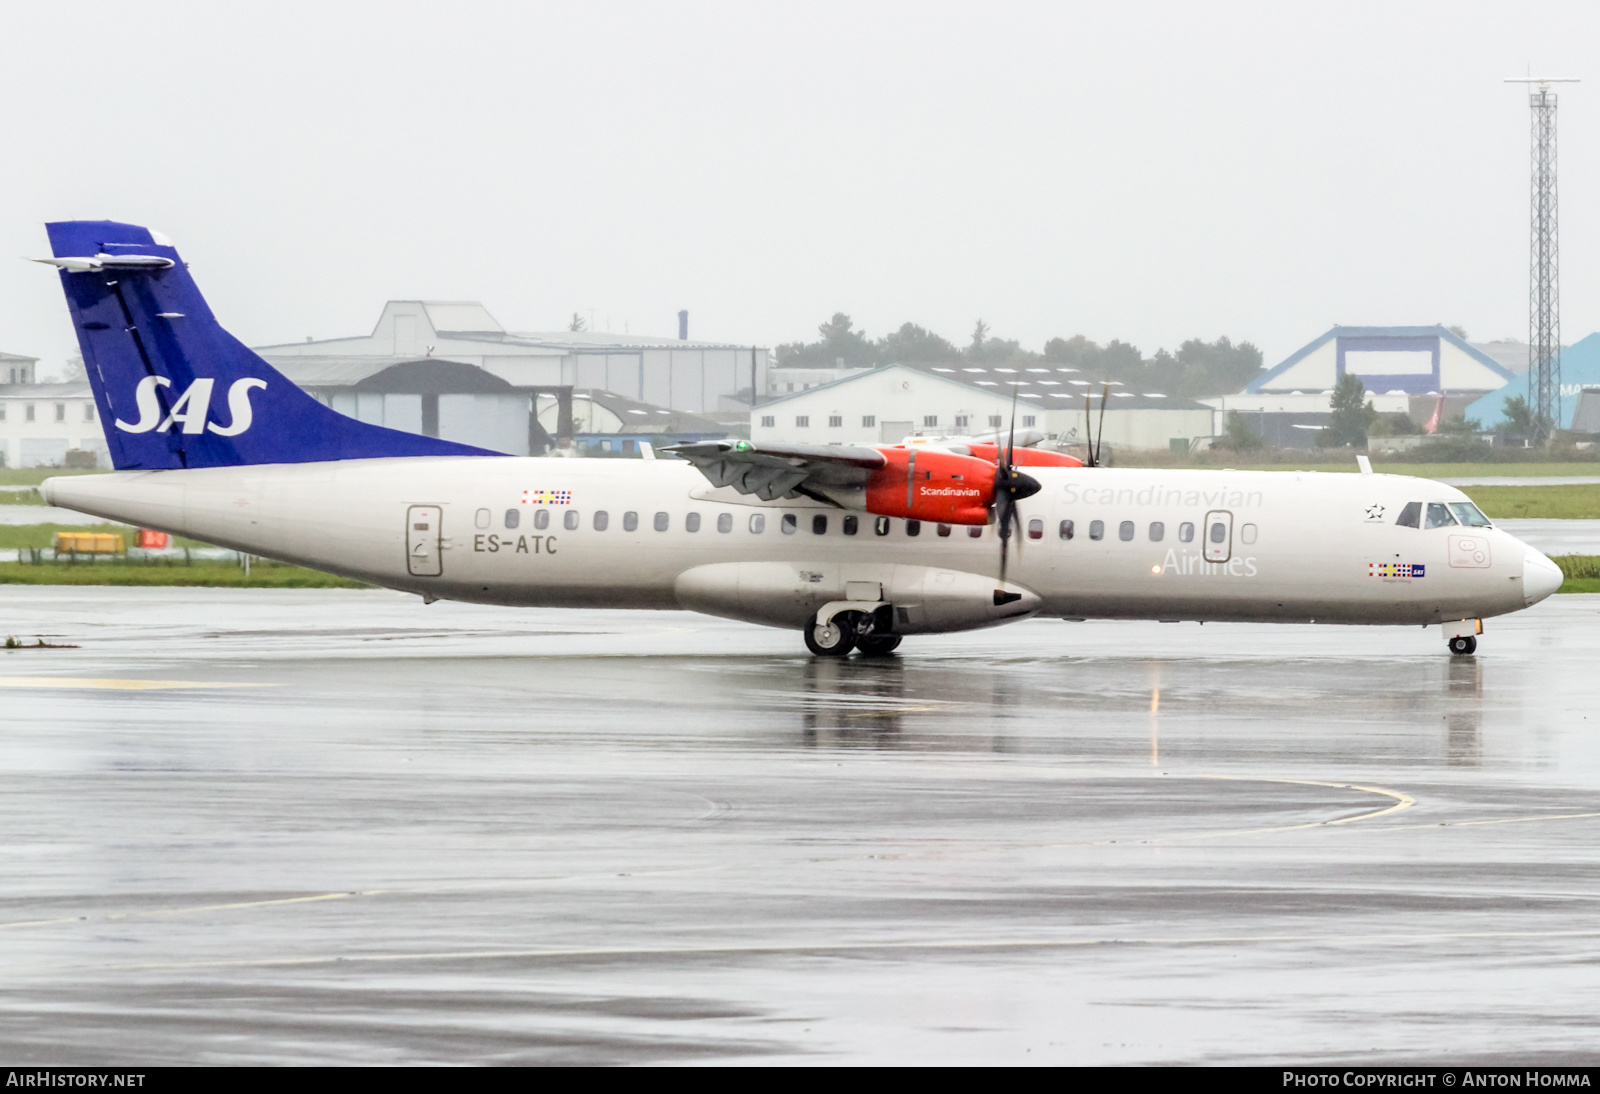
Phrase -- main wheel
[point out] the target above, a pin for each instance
(834, 638)
(877, 645)
(1463, 644)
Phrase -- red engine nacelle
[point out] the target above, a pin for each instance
(1024, 457)
(929, 484)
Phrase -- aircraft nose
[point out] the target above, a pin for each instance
(1540, 576)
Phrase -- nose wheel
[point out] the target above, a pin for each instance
(1463, 645)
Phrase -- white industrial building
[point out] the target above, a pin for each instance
(17, 369)
(41, 423)
(886, 404)
(694, 377)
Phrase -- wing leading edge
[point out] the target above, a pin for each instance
(774, 471)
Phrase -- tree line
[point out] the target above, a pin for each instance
(1196, 368)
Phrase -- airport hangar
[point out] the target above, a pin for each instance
(1404, 369)
(885, 404)
(448, 369)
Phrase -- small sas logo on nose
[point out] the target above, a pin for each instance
(1396, 569)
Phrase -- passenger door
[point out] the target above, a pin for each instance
(1218, 532)
(424, 540)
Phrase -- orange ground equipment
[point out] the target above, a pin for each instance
(88, 543)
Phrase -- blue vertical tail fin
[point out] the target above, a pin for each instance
(172, 387)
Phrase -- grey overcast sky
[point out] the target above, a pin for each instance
(1148, 172)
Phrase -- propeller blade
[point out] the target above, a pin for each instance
(1088, 430)
(1010, 487)
(1105, 394)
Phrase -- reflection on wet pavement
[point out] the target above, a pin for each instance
(462, 834)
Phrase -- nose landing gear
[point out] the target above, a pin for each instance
(1461, 636)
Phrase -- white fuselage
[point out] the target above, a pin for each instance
(1299, 546)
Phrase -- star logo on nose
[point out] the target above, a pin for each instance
(1374, 512)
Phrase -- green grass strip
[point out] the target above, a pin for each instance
(1572, 502)
(263, 575)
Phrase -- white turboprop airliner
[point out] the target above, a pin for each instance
(853, 546)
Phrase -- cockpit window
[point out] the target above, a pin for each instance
(1469, 514)
(1411, 515)
(1438, 515)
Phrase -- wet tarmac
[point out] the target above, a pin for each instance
(264, 826)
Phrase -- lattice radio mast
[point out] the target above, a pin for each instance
(1544, 260)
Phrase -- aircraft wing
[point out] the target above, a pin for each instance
(773, 471)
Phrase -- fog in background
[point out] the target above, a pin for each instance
(1147, 172)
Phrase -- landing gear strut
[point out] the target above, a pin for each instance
(1463, 644)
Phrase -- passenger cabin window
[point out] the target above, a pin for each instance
(880, 526)
(724, 522)
(1125, 531)
(1158, 531)
(819, 525)
(601, 520)
(1186, 532)
(758, 523)
(630, 521)
(541, 519)
(1410, 516)
(691, 523)
(944, 530)
(1438, 515)
(570, 521)
(1097, 529)
(1219, 532)
(513, 518)
(1065, 531)
(661, 522)
(913, 527)
(1036, 528)
(481, 518)
(851, 524)
(789, 524)
(974, 531)
(1469, 514)
(1247, 534)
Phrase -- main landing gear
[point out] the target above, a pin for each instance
(1461, 636)
(847, 631)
